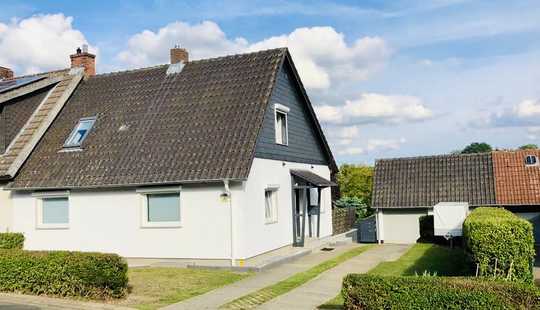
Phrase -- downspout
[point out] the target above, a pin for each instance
(377, 226)
(227, 191)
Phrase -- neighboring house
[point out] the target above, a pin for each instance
(407, 188)
(218, 159)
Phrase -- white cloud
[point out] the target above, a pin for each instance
(39, 43)
(321, 54)
(523, 114)
(385, 144)
(373, 145)
(203, 40)
(533, 133)
(376, 108)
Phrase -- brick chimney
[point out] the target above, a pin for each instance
(84, 59)
(5, 73)
(179, 54)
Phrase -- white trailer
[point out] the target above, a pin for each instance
(448, 218)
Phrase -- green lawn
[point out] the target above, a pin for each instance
(426, 257)
(152, 288)
(422, 257)
(263, 295)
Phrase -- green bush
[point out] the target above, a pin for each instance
(427, 233)
(501, 243)
(361, 291)
(354, 202)
(62, 273)
(11, 240)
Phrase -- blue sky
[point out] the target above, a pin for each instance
(387, 78)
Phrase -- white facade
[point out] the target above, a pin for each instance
(399, 226)
(112, 220)
(448, 218)
(5, 210)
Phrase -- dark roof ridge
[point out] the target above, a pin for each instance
(433, 156)
(40, 73)
(191, 61)
(112, 73)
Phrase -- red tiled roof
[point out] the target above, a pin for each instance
(516, 183)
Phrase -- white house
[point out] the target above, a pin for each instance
(217, 159)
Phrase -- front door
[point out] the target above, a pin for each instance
(299, 219)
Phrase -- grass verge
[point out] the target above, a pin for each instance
(429, 258)
(152, 288)
(422, 257)
(268, 293)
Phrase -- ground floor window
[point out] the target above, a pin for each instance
(161, 207)
(52, 210)
(270, 204)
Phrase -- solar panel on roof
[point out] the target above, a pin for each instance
(17, 82)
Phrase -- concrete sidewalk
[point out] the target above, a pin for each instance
(218, 297)
(328, 285)
(28, 302)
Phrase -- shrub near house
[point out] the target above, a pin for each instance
(11, 241)
(501, 243)
(62, 273)
(367, 292)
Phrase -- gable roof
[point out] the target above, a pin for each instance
(198, 125)
(426, 181)
(515, 183)
(28, 109)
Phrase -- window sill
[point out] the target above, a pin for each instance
(270, 222)
(282, 144)
(52, 227)
(161, 225)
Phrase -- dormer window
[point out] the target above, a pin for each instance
(80, 132)
(531, 160)
(282, 134)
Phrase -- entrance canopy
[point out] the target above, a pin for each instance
(311, 178)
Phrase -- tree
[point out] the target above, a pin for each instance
(477, 147)
(356, 181)
(529, 147)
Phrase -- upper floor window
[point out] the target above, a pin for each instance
(282, 134)
(531, 160)
(80, 132)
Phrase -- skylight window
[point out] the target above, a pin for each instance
(531, 160)
(80, 132)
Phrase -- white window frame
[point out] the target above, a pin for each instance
(144, 192)
(74, 132)
(275, 204)
(531, 165)
(279, 108)
(40, 196)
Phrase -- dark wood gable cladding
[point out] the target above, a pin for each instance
(426, 181)
(195, 126)
(305, 144)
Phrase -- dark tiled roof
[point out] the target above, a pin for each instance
(515, 183)
(426, 181)
(312, 178)
(198, 125)
(15, 113)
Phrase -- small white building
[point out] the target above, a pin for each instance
(217, 159)
(446, 186)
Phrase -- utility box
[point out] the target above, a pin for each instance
(448, 218)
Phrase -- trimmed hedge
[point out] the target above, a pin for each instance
(63, 273)
(501, 243)
(11, 241)
(362, 291)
